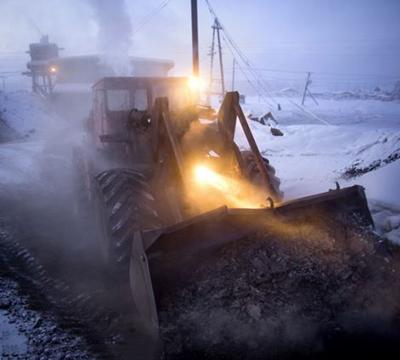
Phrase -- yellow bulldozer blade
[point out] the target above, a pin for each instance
(163, 259)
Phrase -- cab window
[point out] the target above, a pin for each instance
(140, 99)
(118, 100)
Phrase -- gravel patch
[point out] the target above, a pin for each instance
(26, 333)
(297, 294)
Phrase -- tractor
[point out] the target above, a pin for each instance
(169, 184)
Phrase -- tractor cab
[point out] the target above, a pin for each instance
(120, 100)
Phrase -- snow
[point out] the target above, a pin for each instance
(11, 340)
(382, 188)
(311, 157)
(383, 184)
(366, 113)
(38, 160)
(25, 112)
(12, 67)
(387, 224)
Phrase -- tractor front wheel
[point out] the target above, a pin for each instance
(124, 204)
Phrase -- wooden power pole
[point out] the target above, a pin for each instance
(307, 90)
(195, 39)
(233, 74)
(216, 35)
(218, 28)
(308, 81)
(211, 76)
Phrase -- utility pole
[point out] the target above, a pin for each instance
(218, 28)
(216, 35)
(233, 73)
(307, 90)
(211, 78)
(195, 39)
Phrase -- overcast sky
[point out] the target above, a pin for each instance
(350, 36)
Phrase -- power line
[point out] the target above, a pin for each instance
(328, 76)
(355, 74)
(147, 18)
(321, 53)
(257, 77)
(242, 56)
(250, 82)
(331, 79)
(327, 42)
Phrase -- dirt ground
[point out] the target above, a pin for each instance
(306, 294)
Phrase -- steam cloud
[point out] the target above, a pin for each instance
(114, 34)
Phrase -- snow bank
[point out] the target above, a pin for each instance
(310, 158)
(382, 188)
(25, 112)
(39, 157)
(318, 155)
(383, 184)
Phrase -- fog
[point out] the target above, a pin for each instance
(343, 36)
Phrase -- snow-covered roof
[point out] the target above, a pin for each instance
(134, 59)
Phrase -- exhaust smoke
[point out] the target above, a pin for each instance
(114, 37)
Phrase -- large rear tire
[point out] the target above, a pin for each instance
(124, 204)
(254, 174)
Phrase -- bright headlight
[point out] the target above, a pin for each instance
(195, 83)
(206, 176)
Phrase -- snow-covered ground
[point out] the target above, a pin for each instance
(370, 113)
(25, 112)
(310, 157)
(38, 159)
